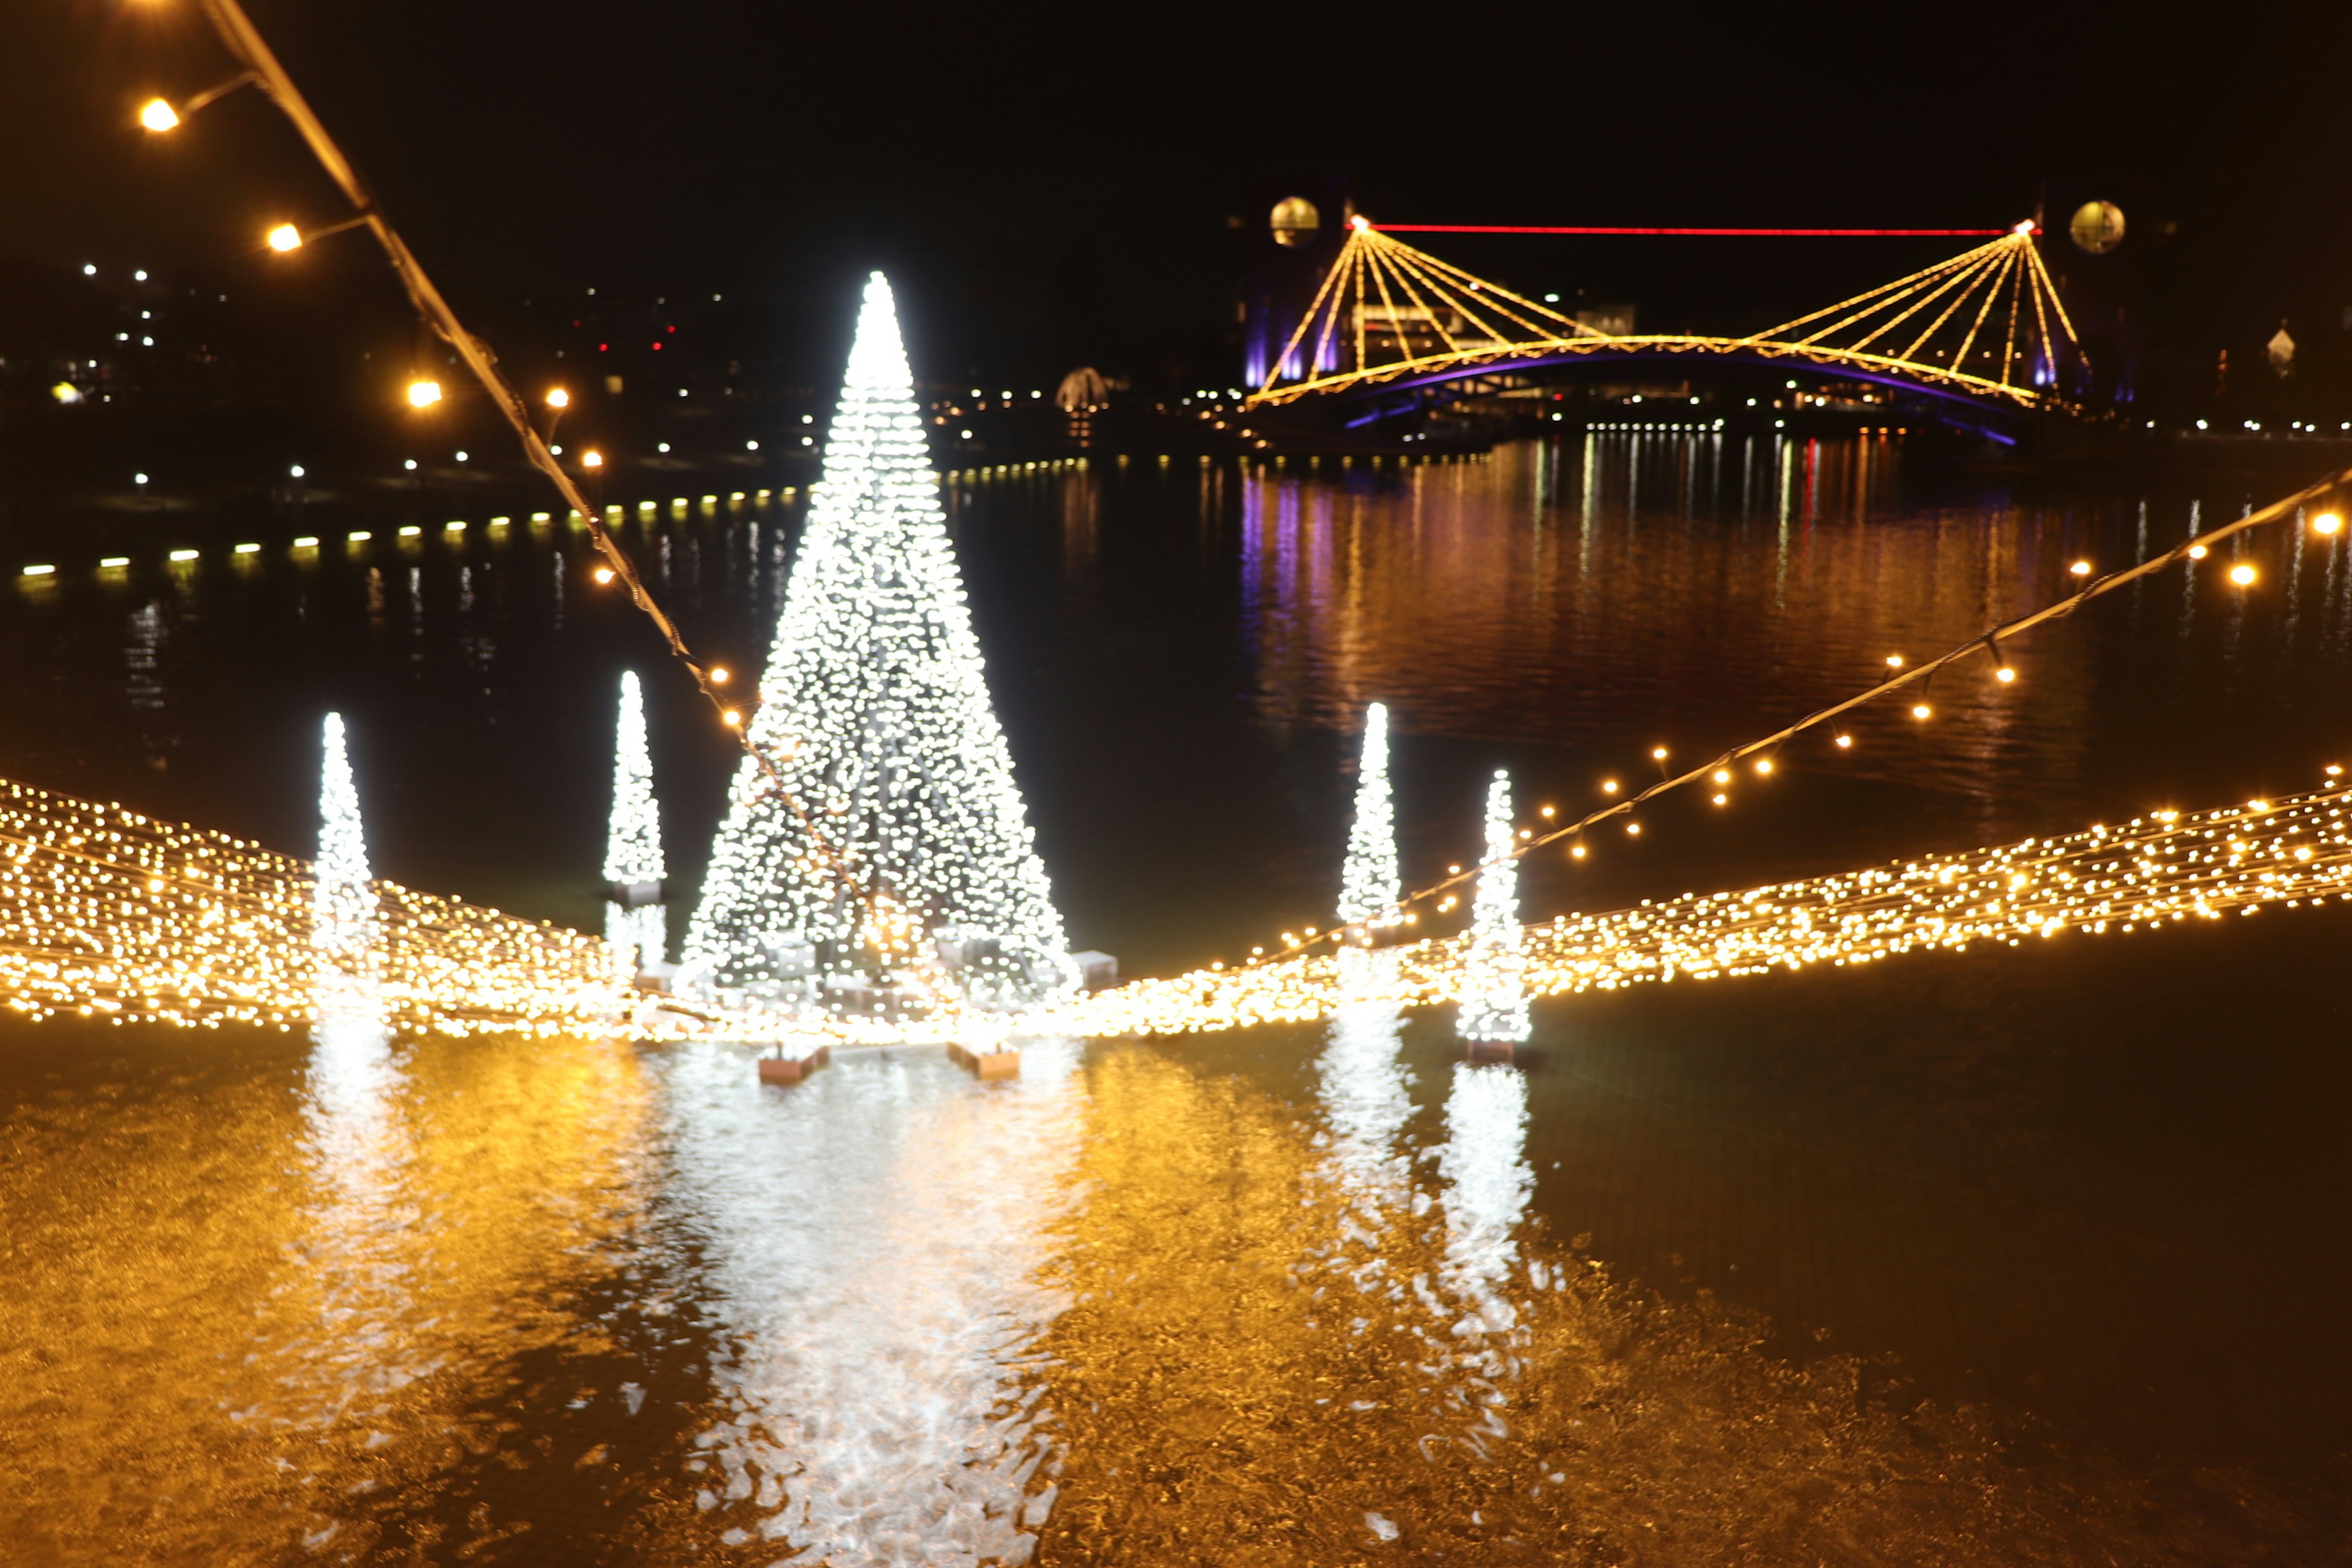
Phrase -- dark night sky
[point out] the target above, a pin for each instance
(1045, 175)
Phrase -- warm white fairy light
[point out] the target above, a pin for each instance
(1493, 991)
(107, 913)
(897, 823)
(2162, 869)
(343, 901)
(1370, 882)
(634, 918)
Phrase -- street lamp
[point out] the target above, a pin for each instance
(285, 238)
(424, 394)
(158, 116)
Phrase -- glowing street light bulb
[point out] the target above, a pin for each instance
(604, 573)
(1723, 775)
(733, 717)
(1845, 742)
(592, 459)
(558, 398)
(2004, 674)
(424, 394)
(285, 238)
(2080, 569)
(158, 116)
(1920, 710)
(1894, 661)
(719, 675)
(1764, 764)
(1608, 786)
(2197, 553)
(2242, 575)
(1658, 753)
(2327, 522)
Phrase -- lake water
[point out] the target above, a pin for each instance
(2023, 1256)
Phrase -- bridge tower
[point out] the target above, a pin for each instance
(1292, 230)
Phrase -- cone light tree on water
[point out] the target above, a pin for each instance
(903, 854)
(634, 915)
(343, 898)
(1494, 980)
(1370, 884)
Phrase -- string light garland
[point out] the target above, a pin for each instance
(1905, 673)
(877, 713)
(2162, 869)
(634, 918)
(106, 913)
(262, 69)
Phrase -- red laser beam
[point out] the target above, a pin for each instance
(1735, 233)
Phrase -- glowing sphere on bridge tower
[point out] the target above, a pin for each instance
(1294, 221)
(2097, 227)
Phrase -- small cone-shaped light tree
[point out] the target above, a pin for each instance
(342, 894)
(634, 917)
(1369, 881)
(899, 816)
(1493, 986)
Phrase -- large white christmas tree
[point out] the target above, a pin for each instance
(342, 894)
(1369, 879)
(634, 918)
(897, 832)
(1493, 981)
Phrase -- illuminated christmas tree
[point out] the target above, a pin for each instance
(898, 838)
(342, 895)
(1493, 986)
(1369, 883)
(634, 918)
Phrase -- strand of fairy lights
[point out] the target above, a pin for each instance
(1989, 642)
(2162, 869)
(245, 45)
(105, 912)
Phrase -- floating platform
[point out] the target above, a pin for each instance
(791, 1069)
(986, 1064)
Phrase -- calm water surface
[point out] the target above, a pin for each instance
(2017, 1257)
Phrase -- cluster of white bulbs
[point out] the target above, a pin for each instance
(899, 833)
(635, 920)
(1369, 881)
(1493, 986)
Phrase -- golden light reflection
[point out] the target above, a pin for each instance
(249, 1310)
(1270, 1363)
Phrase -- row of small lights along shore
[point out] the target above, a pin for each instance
(2243, 575)
(40, 571)
(184, 555)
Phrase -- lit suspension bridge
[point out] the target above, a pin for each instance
(1986, 326)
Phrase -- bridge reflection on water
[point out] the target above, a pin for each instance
(2017, 1257)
